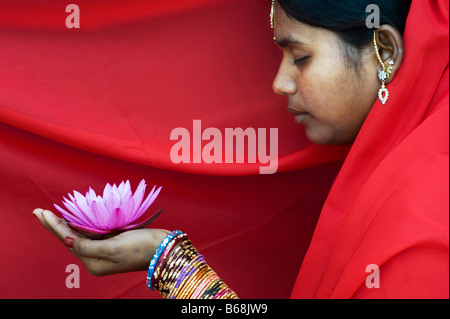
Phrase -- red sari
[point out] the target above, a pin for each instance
(389, 205)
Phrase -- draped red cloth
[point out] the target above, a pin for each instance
(389, 204)
(93, 105)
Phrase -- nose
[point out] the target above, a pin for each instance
(284, 83)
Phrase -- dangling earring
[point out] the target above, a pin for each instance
(383, 93)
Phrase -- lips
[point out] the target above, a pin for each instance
(300, 116)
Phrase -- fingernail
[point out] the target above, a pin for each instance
(68, 241)
(37, 211)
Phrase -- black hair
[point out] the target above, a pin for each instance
(347, 18)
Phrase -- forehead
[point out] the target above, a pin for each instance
(287, 30)
(291, 32)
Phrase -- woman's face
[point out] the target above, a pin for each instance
(325, 90)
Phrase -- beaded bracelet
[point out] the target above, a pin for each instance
(158, 252)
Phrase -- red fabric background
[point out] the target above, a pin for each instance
(84, 107)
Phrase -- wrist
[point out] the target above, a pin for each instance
(153, 239)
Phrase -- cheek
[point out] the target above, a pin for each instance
(335, 103)
(323, 95)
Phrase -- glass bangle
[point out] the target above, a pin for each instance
(158, 253)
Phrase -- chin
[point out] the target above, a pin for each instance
(327, 138)
(316, 138)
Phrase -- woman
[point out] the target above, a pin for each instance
(383, 231)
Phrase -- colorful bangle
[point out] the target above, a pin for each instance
(198, 281)
(175, 268)
(162, 259)
(171, 263)
(186, 272)
(179, 271)
(192, 281)
(172, 269)
(158, 252)
(188, 254)
(220, 294)
(212, 290)
(204, 284)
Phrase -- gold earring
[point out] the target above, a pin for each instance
(383, 93)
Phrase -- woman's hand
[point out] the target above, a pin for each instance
(126, 252)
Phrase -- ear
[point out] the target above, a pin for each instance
(391, 47)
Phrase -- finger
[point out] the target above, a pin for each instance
(100, 257)
(57, 226)
(97, 249)
(95, 254)
(38, 213)
(80, 246)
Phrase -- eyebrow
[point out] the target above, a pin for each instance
(289, 40)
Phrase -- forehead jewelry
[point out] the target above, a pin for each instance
(272, 17)
(383, 93)
(272, 13)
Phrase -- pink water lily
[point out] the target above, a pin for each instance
(118, 210)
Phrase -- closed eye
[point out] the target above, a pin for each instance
(300, 61)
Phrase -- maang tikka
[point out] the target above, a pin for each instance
(272, 13)
(383, 93)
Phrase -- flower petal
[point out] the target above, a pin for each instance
(127, 207)
(67, 216)
(89, 232)
(71, 206)
(76, 211)
(79, 197)
(90, 196)
(137, 210)
(145, 223)
(80, 202)
(101, 214)
(106, 193)
(126, 191)
(71, 197)
(113, 202)
(121, 187)
(116, 219)
(86, 212)
(148, 201)
(116, 192)
(139, 196)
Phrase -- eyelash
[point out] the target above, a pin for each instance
(299, 61)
